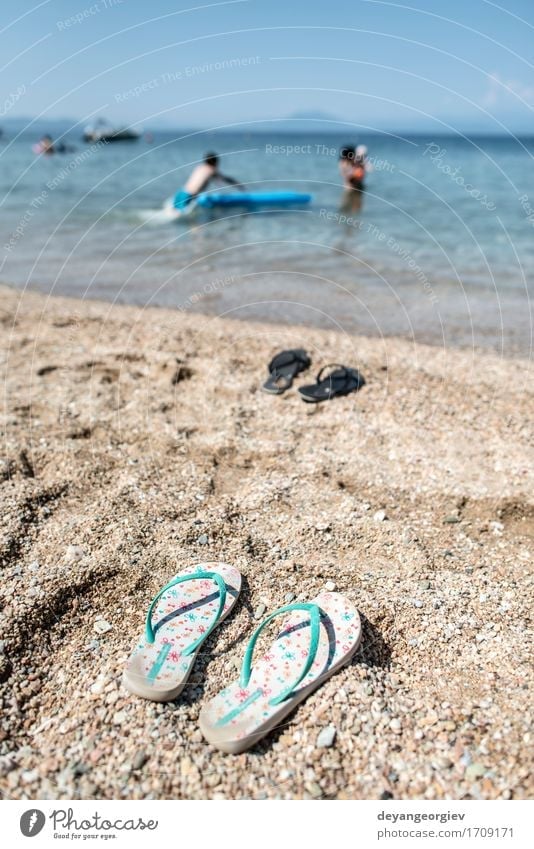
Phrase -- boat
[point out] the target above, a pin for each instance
(104, 132)
(253, 199)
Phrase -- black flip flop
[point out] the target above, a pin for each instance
(341, 381)
(284, 368)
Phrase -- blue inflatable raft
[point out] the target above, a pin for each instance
(252, 199)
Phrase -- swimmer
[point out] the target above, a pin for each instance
(199, 180)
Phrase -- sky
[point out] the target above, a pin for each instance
(464, 65)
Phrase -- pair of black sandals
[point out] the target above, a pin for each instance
(332, 381)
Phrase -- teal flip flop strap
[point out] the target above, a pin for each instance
(180, 579)
(315, 624)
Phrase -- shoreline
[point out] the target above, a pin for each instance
(505, 348)
(137, 442)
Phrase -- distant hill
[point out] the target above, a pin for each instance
(54, 126)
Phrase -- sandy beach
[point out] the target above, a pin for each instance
(137, 443)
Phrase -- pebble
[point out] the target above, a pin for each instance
(260, 610)
(380, 516)
(330, 586)
(139, 760)
(475, 770)
(203, 539)
(79, 769)
(102, 626)
(6, 765)
(395, 725)
(313, 789)
(119, 717)
(451, 520)
(289, 597)
(417, 603)
(74, 552)
(326, 737)
(98, 686)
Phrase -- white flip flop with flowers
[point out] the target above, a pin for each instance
(317, 639)
(180, 618)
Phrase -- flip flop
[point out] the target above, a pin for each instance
(317, 640)
(180, 618)
(341, 381)
(284, 368)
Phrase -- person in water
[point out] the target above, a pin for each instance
(46, 145)
(200, 179)
(353, 167)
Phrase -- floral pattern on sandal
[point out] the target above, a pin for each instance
(304, 655)
(180, 618)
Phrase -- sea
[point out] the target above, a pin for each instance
(438, 249)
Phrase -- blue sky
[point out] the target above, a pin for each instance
(465, 66)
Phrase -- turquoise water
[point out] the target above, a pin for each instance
(442, 249)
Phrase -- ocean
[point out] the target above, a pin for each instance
(441, 250)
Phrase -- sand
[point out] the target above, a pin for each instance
(137, 443)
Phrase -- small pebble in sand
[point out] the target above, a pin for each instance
(289, 597)
(380, 516)
(139, 760)
(119, 717)
(417, 603)
(260, 610)
(451, 520)
(203, 539)
(74, 553)
(313, 789)
(475, 770)
(79, 769)
(330, 586)
(99, 685)
(102, 626)
(326, 737)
